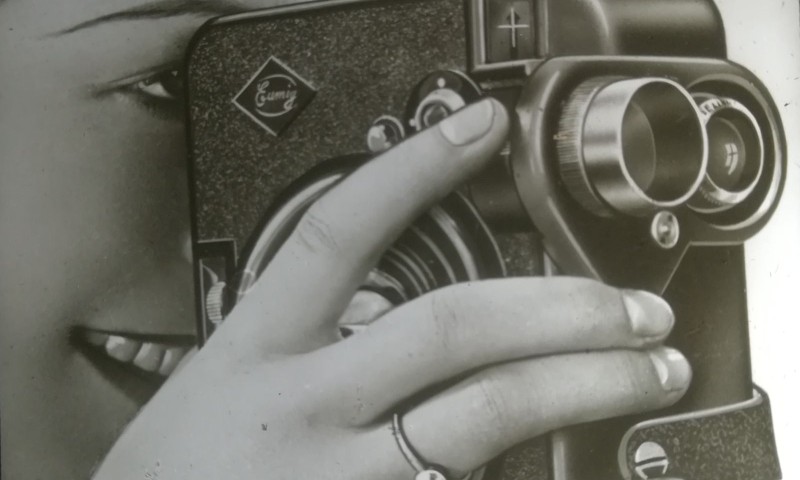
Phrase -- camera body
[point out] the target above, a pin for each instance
(638, 155)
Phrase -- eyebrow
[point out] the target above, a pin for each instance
(158, 9)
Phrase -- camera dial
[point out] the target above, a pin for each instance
(386, 131)
(631, 145)
(438, 95)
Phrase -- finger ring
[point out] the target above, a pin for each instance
(424, 472)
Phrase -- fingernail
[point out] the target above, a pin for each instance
(468, 125)
(674, 371)
(649, 315)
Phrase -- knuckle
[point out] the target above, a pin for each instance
(492, 401)
(447, 319)
(639, 381)
(583, 295)
(545, 402)
(596, 309)
(584, 285)
(594, 296)
(316, 233)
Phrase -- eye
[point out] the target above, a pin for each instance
(166, 85)
(161, 93)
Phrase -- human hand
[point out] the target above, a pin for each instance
(475, 367)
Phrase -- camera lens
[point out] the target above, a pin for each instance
(631, 145)
(736, 154)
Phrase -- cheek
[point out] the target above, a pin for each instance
(91, 190)
(93, 202)
(91, 193)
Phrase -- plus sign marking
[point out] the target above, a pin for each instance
(513, 25)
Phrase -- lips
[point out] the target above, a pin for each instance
(137, 363)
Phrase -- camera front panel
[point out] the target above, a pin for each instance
(361, 62)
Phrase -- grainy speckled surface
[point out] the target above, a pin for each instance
(737, 445)
(364, 64)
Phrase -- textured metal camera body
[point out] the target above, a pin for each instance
(275, 93)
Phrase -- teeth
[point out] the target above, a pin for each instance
(148, 356)
(121, 348)
(172, 356)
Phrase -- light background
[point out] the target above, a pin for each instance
(765, 37)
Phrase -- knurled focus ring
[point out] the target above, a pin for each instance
(569, 145)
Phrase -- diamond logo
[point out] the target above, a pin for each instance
(274, 96)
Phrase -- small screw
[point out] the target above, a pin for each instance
(665, 230)
(650, 461)
(430, 475)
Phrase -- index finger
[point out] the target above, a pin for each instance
(342, 236)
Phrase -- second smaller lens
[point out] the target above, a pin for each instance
(736, 154)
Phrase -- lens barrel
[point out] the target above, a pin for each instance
(631, 145)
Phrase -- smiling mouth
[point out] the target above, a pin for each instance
(137, 363)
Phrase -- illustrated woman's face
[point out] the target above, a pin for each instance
(96, 301)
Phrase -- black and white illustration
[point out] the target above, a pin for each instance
(413, 239)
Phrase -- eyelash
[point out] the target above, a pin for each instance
(162, 93)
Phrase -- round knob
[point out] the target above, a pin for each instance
(651, 461)
(386, 131)
(438, 95)
(631, 145)
(437, 106)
